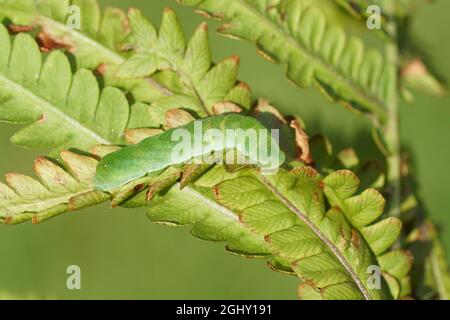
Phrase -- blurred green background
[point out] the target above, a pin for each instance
(123, 255)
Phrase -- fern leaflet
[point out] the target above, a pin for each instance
(64, 110)
(298, 37)
(98, 43)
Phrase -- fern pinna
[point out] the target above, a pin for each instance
(315, 223)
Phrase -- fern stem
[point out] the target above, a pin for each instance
(391, 130)
(303, 217)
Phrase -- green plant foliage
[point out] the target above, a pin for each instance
(320, 244)
(358, 8)
(321, 247)
(108, 32)
(196, 206)
(97, 44)
(417, 73)
(62, 109)
(312, 52)
(362, 210)
(201, 84)
(56, 191)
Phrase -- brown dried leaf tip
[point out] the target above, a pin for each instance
(48, 43)
(302, 140)
(226, 107)
(13, 28)
(177, 117)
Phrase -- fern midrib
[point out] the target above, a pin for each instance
(302, 216)
(46, 106)
(361, 92)
(214, 205)
(49, 203)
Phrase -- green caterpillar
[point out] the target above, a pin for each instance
(199, 139)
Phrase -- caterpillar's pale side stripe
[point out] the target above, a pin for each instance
(156, 153)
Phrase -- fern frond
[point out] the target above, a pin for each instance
(360, 210)
(97, 45)
(324, 249)
(340, 187)
(65, 110)
(68, 187)
(56, 191)
(416, 72)
(202, 84)
(98, 40)
(196, 206)
(298, 37)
